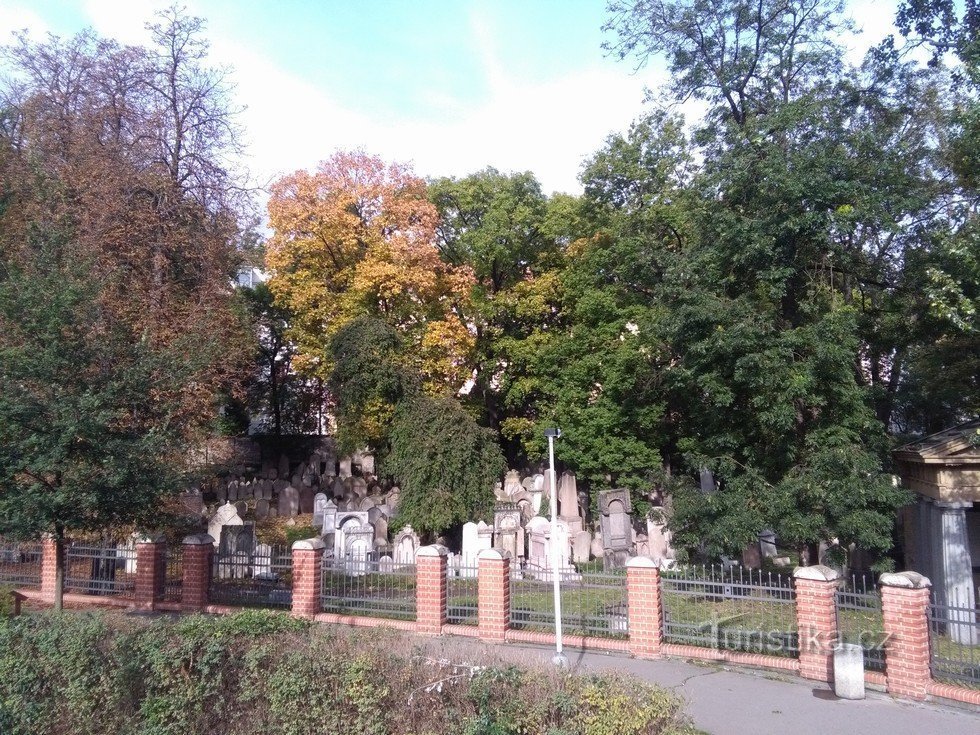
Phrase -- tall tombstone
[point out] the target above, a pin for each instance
(512, 483)
(767, 543)
(319, 503)
(568, 509)
(262, 561)
(262, 509)
(329, 524)
(509, 535)
(468, 556)
(406, 544)
(226, 515)
(289, 502)
(306, 496)
(617, 527)
(484, 537)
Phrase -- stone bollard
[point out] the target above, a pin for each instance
(849, 671)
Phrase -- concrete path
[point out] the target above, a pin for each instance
(729, 701)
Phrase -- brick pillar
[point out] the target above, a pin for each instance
(905, 607)
(49, 566)
(493, 595)
(644, 607)
(432, 589)
(151, 571)
(307, 568)
(197, 572)
(816, 620)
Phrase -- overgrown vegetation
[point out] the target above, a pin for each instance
(261, 673)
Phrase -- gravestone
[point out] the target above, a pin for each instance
(221, 492)
(345, 468)
(469, 552)
(329, 518)
(288, 502)
(508, 530)
(568, 509)
(767, 543)
(306, 496)
(226, 515)
(542, 547)
(386, 565)
(581, 547)
(262, 509)
(406, 544)
(348, 523)
(262, 561)
(359, 486)
(512, 483)
(319, 503)
(659, 536)
(617, 527)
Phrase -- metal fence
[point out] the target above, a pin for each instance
(592, 603)
(376, 589)
(731, 608)
(859, 619)
(101, 569)
(954, 641)
(463, 595)
(173, 580)
(261, 578)
(20, 564)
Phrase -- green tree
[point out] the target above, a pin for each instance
(447, 465)
(92, 431)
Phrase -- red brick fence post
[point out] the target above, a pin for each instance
(644, 610)
(905, 607)
(49, 567)
(307, 568)
(151, 571)
(197, 572)
(493, 595)
(432, 589)
(816, 620)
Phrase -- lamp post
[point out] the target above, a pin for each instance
(552, 434)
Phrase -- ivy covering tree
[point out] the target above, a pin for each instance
(446, 465)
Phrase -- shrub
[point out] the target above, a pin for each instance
(257, 673)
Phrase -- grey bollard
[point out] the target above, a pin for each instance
(849, 671)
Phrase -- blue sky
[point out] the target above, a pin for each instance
(449, 85)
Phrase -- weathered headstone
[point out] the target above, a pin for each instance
(262, 509)
(767, 543)
(262, 561)
(306, 495)
(581, 547)
(345, 467)
(406, 544)
(512, 483)
(241, 507)
(329, 517)
(226, 515)
(617, 527)
(319, 503)
(288, 502)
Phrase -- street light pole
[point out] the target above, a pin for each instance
(559, 659)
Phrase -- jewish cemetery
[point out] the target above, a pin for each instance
(505, 368)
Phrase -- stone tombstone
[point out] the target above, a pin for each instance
(366, 503)
(345, 468)
(484, 537)
(337, 489)
(659, 536)
(380, 529)
(262, 509)
(508, 531)
(192, 502)
(329, 517)
(366, 462)
(226, 515)
(581, 547)
(469, 552)
(347, 524)
(512, 483)
(498, 492)
(386, 565)
(288, 502)
(751, 556)
(233, 490)
(540, 560)
(546, 490)
(767, 543)
(568, 496)
(319, 503)
(306, 499)
(617, 527)
(538, 530)
(262, 561)
(597, 550)
(221, 492)
(406, 544)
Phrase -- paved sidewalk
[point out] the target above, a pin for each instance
(730, 701)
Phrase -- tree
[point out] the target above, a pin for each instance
(125, 149)
(357, 238)
(446, 463)
(92, 423)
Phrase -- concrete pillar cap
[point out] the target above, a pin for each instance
(199, 539)
(495, 554)
(817, 573)
(309, 544)
(432, 550)
(905, 580)
(642, 562)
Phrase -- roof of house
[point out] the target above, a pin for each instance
(957, 444)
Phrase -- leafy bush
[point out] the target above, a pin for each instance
(259, 672)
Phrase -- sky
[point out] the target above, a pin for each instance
(450, 86)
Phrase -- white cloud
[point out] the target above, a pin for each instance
(17, 18)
